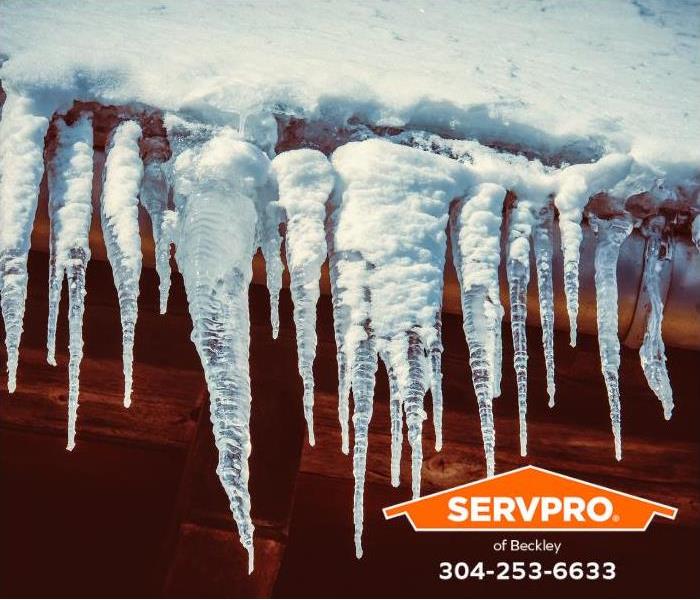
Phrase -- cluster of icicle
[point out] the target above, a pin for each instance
(379, 209)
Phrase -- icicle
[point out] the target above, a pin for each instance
(216, 187)
(542, 238)
(518, 270)
(123, 172)
(70, 210)
(341, 324)
(652, 352)
(22, 130)
(577, 184)
(271, 217)
(155, 189)
(396, 418)
(475, 231)
(364, 367)
(497, 350)
(611, 234)
(305, 181)
(387, 252)
(410, 365)
(436, 383)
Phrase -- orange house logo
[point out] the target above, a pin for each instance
(527, 499)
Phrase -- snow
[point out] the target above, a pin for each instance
(570, 78)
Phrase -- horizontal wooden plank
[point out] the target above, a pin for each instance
(161, 411)
(667, 472)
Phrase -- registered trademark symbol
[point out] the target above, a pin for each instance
(616, 518)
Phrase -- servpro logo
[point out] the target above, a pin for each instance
(530, 498)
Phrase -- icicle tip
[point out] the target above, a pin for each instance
(358, 547)
(251, 557)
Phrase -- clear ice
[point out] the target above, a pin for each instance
(218, 181)
(123, 172)
(70, 211)
(155, 191)
(652, 352)
(610, 233)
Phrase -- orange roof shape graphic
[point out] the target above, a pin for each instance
(530, 498)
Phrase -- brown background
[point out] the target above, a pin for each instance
(136, 509)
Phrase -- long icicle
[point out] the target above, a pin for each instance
(544, 250)
(217, 182)
(396, 419)
(341, 325)
(435, 352)
(22, 130)
(611, 234)
(123, 172)
(305, 181)
(520, 222)
(364, 367)
(475, 232)
(70, 210)
(652, 352)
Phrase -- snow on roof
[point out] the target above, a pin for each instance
(590, 75)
